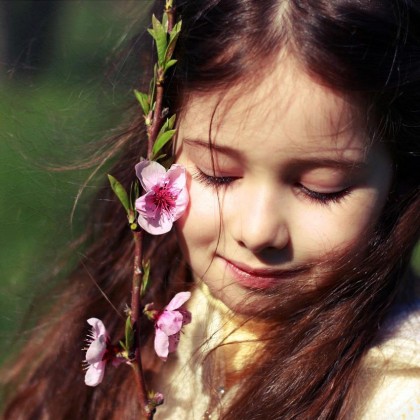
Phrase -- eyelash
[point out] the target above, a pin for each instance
(324, 198)
(315, 196)
(213, 181)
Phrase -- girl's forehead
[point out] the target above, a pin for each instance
(285, 102)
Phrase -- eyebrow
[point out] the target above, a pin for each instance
(211, 146)
(340, 163)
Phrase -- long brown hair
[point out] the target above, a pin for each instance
(367, 48)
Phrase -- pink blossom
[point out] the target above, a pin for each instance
(166, 196)
(158, 399)
(168, 325)
(95, 353)
(155, 399)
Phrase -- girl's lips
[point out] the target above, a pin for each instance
(261, 278)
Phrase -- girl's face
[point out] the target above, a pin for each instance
(286, 183)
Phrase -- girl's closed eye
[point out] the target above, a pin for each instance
(320, 197)
(212, 180)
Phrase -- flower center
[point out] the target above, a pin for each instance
(163, 198)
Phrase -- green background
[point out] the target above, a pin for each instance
(48, 114)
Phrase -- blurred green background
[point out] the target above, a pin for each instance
(57, 94)
(60, 89)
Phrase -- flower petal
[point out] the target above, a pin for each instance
(181, 204)
(186, 316)
(96, 350)
(150, 173)
(176, 177)
(95, 374)
(98, 327)
(178, 300)
(156, 225)
(170, 322)
(145, 205)
(161, 344)
(157, 399)
(173, 342)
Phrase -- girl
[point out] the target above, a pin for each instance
(298, 128)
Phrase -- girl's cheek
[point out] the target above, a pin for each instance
(203, 212)
(201, 199)
(339, 228)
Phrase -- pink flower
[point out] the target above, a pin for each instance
(166, 196)
(95, 354)
(168, 325)
(155, 399)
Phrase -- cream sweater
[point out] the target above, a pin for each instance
(389, 386)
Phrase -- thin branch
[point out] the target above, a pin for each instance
(170, 12)
(135, 315)
(137, 277)
(135, 323)
(157, 114)
(140, 384)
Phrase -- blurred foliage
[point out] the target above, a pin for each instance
(46, 116)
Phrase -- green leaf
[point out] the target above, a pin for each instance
(161, 39)
(134, 193)
(120, 192)
(162, 140)
(173, 38)
(129, 334)
(131, 218)
(163, 155)
(171, 122)
(152, 32)
(143, 98)
(146, 276)
(168, 125)
(176, 30)
(169, 64)
(165, 22)
(122, 345)
(152, 87)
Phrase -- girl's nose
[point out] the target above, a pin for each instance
(261, 221)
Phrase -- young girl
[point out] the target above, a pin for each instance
(298, 126)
